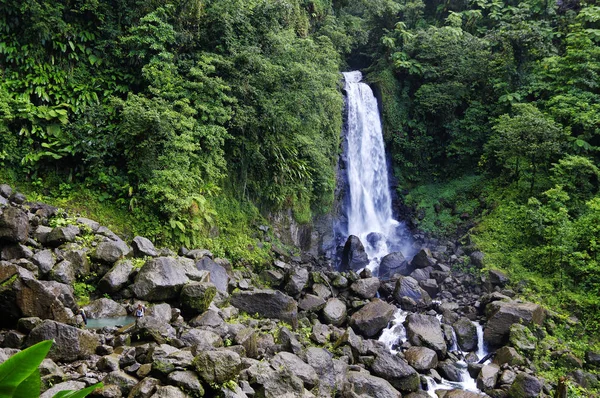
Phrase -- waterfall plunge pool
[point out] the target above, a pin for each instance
(110, 322)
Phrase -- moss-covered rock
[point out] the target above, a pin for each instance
(196, 297)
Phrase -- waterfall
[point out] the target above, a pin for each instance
(369, 208)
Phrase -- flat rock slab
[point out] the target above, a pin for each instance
(267, 303)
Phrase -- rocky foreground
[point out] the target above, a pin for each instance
(295, 329)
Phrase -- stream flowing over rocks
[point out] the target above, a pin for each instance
(294, 329)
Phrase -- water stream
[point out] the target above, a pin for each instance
(369, 209)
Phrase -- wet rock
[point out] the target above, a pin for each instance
(298, 278)
(366, 288)
(421, 358)
(425, 330)
(267, 303)
(488, 377)
(466, 334)
(117, 278)
(143, 247)
(14, 225)
(449, 370)
(525, 386)
(397, 371)
(61, 235)
(502, 315)
(407, 287)
(354, 256)
(196, 297)
(159, 279)
(70, 343)
(394, 263)
(364, 385)
(104, 308)
(334, 312)
(217, 366)
(372, 318)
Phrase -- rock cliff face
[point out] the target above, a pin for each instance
(297, 329)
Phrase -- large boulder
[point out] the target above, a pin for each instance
(407, 287)
(501, 315)
(354, 256)
(104, 308)
(360, 384)
(187, 381)
(297, 280)
(143, 247)
(296, 366)
(64, 272)
(61, 235)
(392, 264)
(159, 279)
(217, 366)
(267, 303)
(196, 297)
(45, 260)
(525, 386)
(488, 376)
(425, 330)
(117, 278)
(366, 288)
(322, 362)
(421, 358)
(372, 318)
(397, 371)
(14, 225)
(466, 334)
(270, 383)
(111, 250)
(70, 343)
(218, 274)
(334, 312)
(422, 259)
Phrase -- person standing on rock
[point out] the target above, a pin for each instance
(140, 311)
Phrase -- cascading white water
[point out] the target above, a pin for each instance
(395, 333)
(369, 211)
(481, 348)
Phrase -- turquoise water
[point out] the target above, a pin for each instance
(102, 322)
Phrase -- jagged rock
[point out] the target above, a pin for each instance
(392, 264)
(477, 259)
(311, 302)
(509, 356)
(271, 383)
(272, 277)
(397, 371)
(15, 251)
(61, 235)
(18, 198)
(466, 334)
(421, 274)
(507, 377)
(372, 318)
(41, 233)
(121, 379)
(145, 388)
(354, 256)
(297, 281)
(5, 190)
(422, 259)
(522, 338)
(364, 385)
(488, 377)
(449, 370)
(91, 224)
(267, 303)
(196, 297)
(109, 250)
(247, 338)
(14, 225)
(366, 288)
(459, 394)
(26, 325)
(296, 366)
(425, 330)
(67, 385)
(408, 287)
(206, 339)
(188, 381)
(63, 272)
(117, 278)
(592, 358)
(497, 278)
(143, 247)
(430, 286)
(104, 308)
(45, 260)
(321, 361)
(70, 343)
(525, 386)
(421, 358)
(501, 315)
(218, 274)
(217, 366)
(159, 279)
(108, 363)
(334, 312)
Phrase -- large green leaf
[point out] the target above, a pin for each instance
(77, 394)
(20, 366)
(30, 387)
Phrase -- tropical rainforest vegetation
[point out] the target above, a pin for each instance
(189, 120)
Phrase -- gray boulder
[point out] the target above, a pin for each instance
(159, 279)
(522, 338)
(372, 318)
(449, 370)
(15, 251)
(360, 384)
(321, 361)
(218, 274)
(70, 343)
(117, 278)
(509, 356)
(271, 383)
(45, 260)
(205, 339)
(425, 330)
(334, 312)
(63, 272)
(477, 259)
(87, 223)
(296, 366)
(61, 235)
(488, 377)
(422, 259)
(121, 379)
(392, 264)
(145, 388)
(14, 225)
(169, 392)
(354, 256)
(104, 308)
(311, 302)
(397, 371)
(421, 358)
(64, 386)
(267, 303)
(366, 288)
(109, 250)
(187, 381)
(78, 257)
(501, 315)
(5, 190)
(143, 247)
(196, 297)
(407, 287)
(297, 280)
(217, 366)
(525, 386)
(466, 334)
(497, 278)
